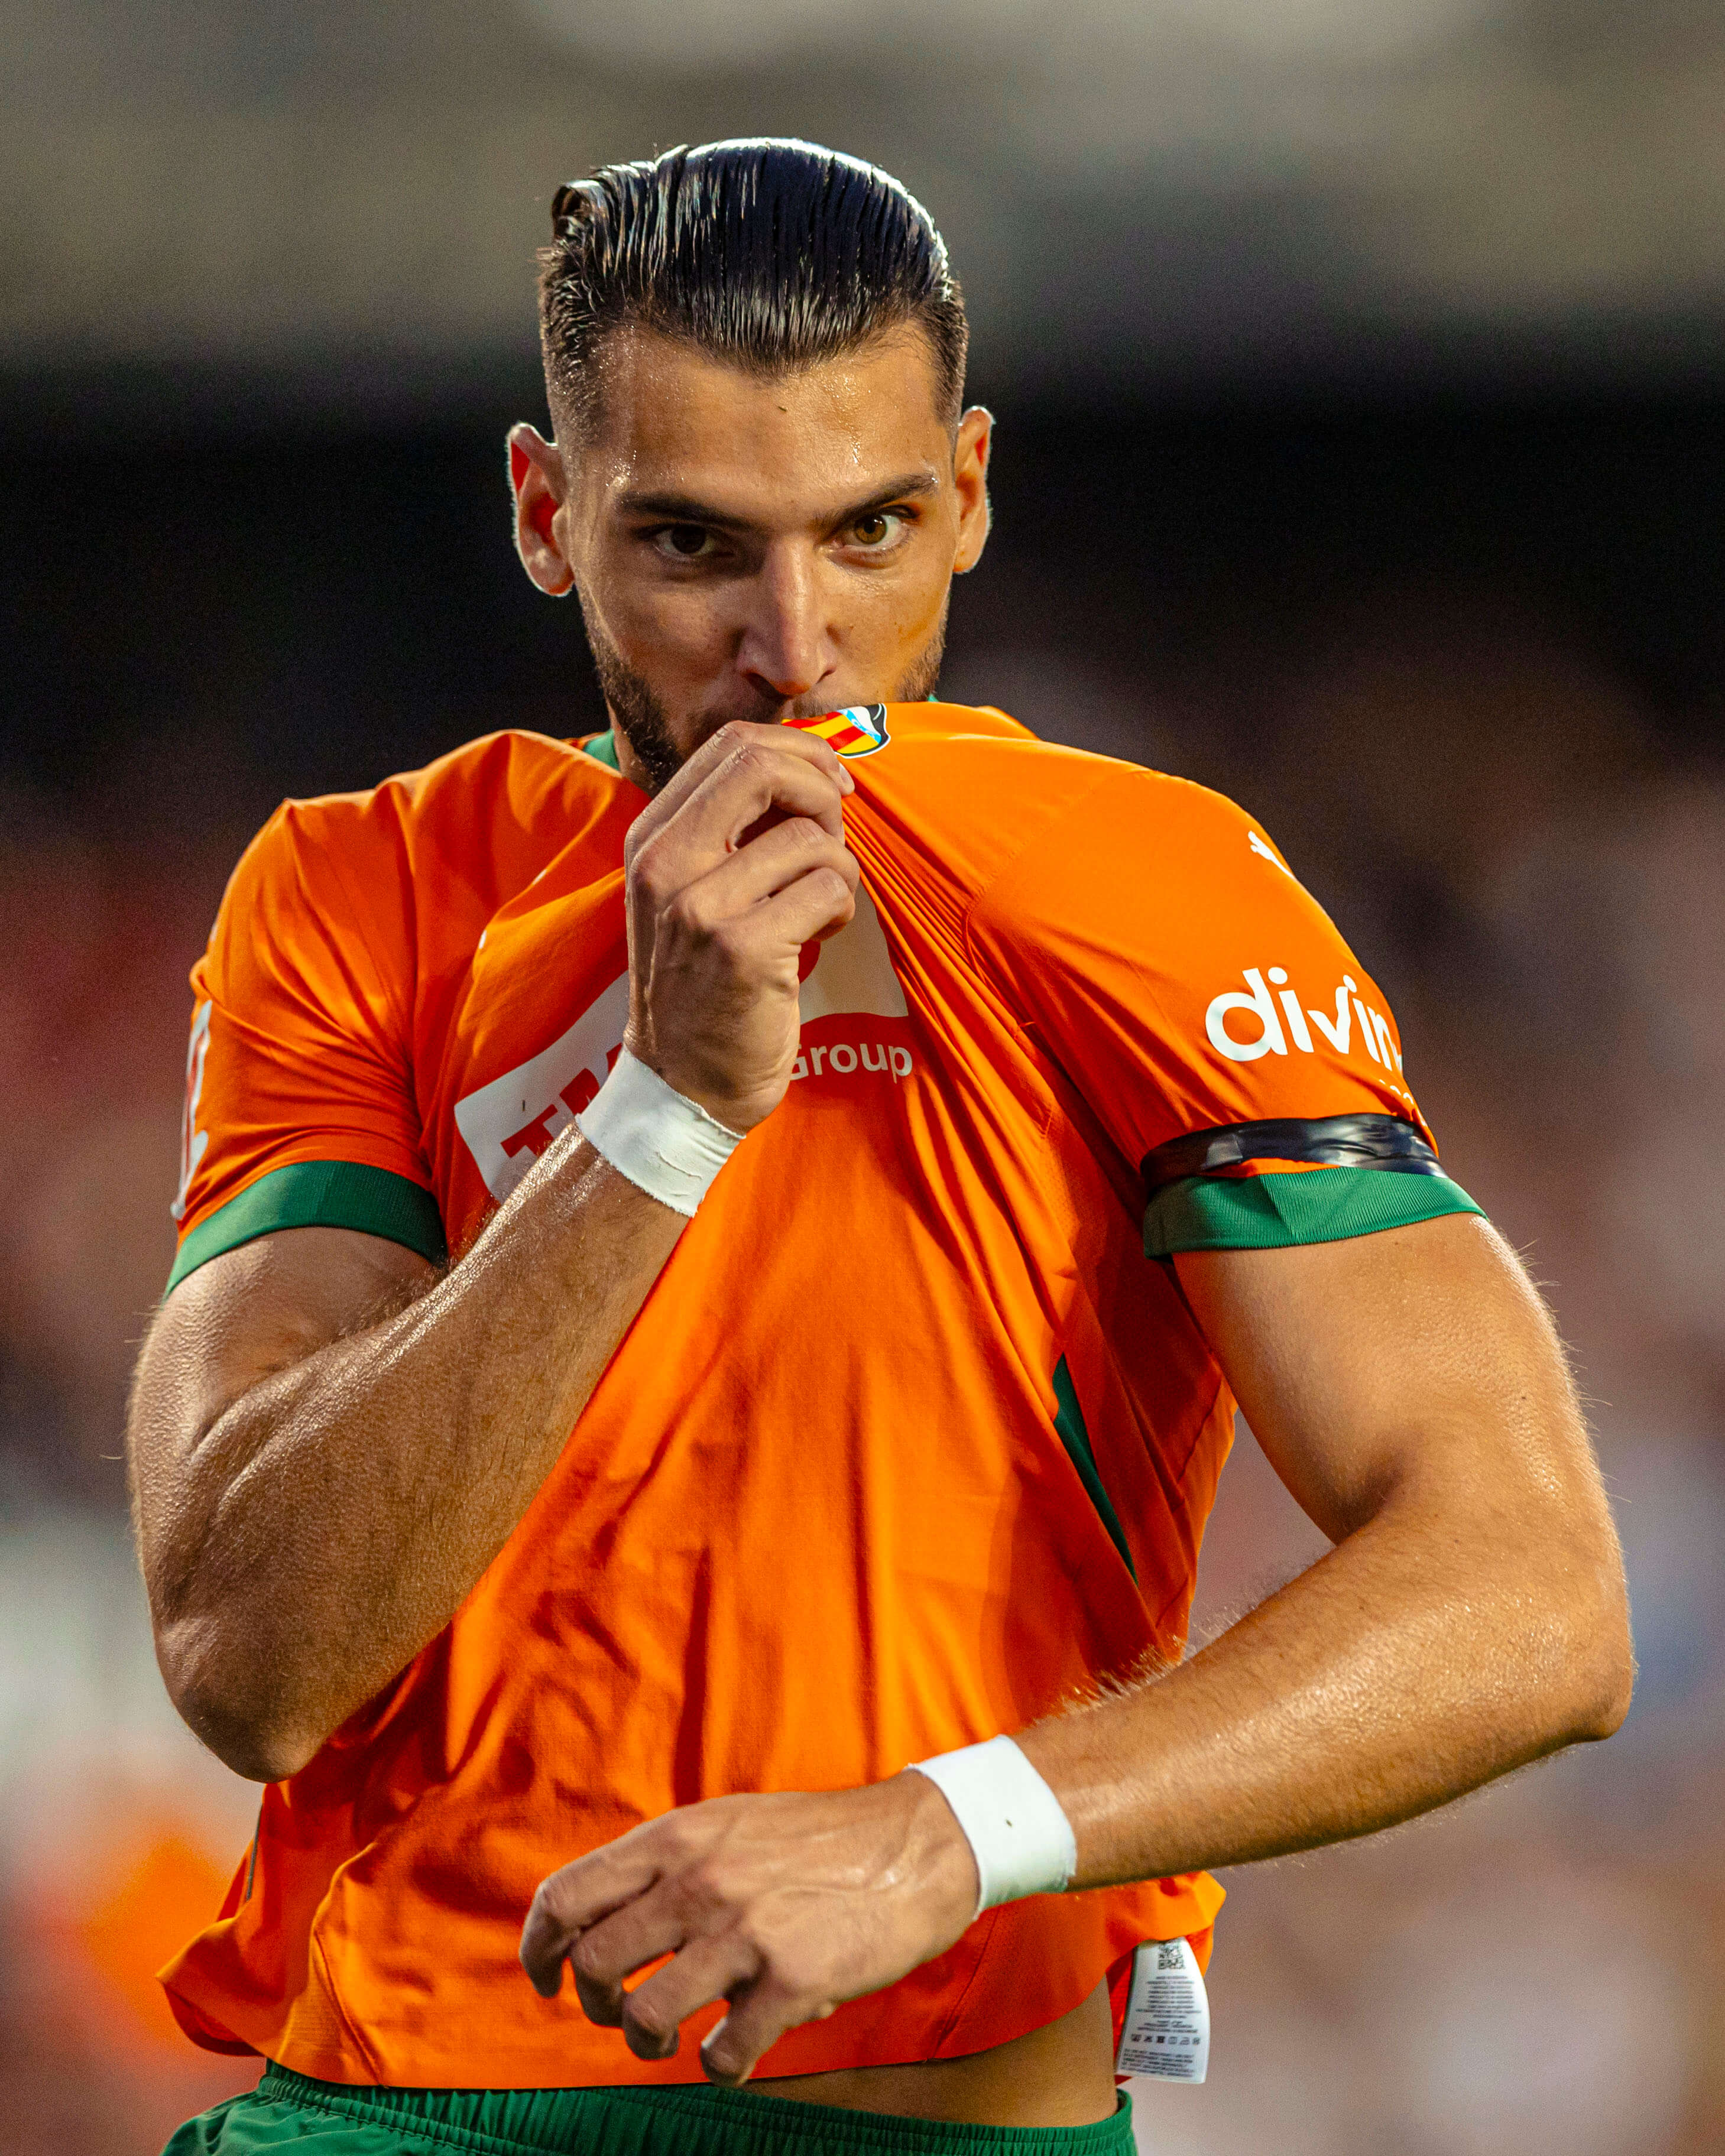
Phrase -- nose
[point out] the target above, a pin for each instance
(785, 649)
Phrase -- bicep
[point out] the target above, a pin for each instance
(245, 1315)
(1421, 1358)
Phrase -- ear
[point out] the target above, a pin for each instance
(535, 475)
(971, 451)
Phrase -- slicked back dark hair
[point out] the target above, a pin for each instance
(770, 254)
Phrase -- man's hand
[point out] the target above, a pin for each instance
(740, 861)
(784, 1906)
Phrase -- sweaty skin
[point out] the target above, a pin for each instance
(747, 549)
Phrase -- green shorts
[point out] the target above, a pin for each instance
(325, 2118)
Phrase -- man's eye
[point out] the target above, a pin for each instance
(686, 543)
(878, 529)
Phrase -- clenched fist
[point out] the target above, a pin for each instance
(735, 867)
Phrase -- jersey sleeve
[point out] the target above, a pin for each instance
(1205, 1006)
(300, 1107)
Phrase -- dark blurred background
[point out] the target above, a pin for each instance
(1360, 367)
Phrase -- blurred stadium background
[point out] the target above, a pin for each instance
(1361, 373)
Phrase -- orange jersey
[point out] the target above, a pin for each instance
(910, 1441)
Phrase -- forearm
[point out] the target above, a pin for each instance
(1423, 1656)
(333, 1517)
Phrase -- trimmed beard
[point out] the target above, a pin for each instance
(640, 716)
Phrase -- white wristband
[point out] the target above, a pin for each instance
(1021, 1838)
(665, 1143)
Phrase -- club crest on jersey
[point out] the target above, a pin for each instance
(858, 732)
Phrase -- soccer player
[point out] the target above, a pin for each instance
(716, 1264)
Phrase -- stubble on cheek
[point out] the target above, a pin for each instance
(924, 672)
(634, 709)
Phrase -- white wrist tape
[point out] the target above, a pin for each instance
(665, 1143)
(1021, 1838)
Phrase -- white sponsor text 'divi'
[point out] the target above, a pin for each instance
(1270, 1037)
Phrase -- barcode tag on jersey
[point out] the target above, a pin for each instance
(1168, 2015)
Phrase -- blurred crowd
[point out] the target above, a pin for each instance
(1525, 841)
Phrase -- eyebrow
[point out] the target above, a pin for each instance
(673, 508)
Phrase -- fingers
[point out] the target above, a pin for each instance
(787, 743)
(767, 865)
(713, 821)
(758, 2016)
(782, 1905)
(734, 1964)
(655, 1923)
(654, 1893)
(811, 908)
(703, 813)
(725, 1963)
(579, 1896)
(734, 936)
(708, 1968)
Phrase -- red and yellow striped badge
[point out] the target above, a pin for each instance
(858, 732)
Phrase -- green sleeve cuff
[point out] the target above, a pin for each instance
(318, 1193)
(1281, 1212)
